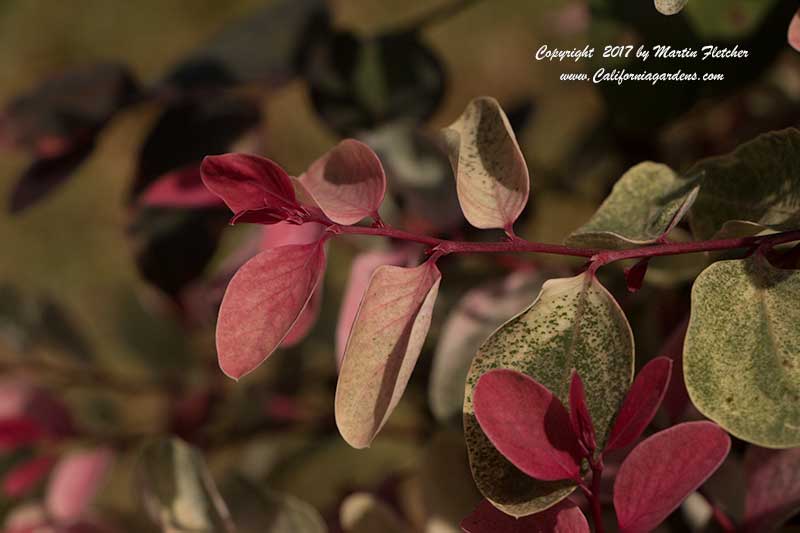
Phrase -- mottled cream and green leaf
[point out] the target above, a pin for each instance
(491, 175)
(670, 7)
(756, 186)
(645, 204)
(742, 350)
(574, 323)
(177, 489)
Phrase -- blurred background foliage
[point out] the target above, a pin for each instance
(107, 298)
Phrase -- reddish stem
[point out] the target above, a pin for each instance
(598, 257)
(594, 497)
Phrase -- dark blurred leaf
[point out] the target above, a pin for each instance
(419, 176)
(46, 174)
(359, 84)
(59, 330)
(51, 118)
(267, 46)
(178, 491)
(173, 246)
(189, 130)
(260, 511)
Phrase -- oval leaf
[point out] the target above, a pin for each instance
(527, 424)
(263, 301)
(565, 517)
(645, 204)
(387, 336)
(794, 32)
(250, 183)
(75, 481)
(573, 324)
(362, 512)
(177, 489)
(348, 183)
(473, 319)
(663, 470)
(361, 272)
(491, 175)
(670, 7)
(641, 403)
(741, 361)
(24, 477)
(754, 187)
(773, 487)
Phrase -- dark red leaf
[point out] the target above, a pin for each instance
(773, 487)
(528, 425)
(190, 129)
(251, 185)
(579, 415)
(68, 109)
(640, 404)
(663, 470)
(180, 188)
(46, 174)
(20, 431)
(634, 276)
(564, 517)
(23, 478)
(263, 301)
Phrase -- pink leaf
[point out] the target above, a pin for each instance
(361, 271)
(527, 424)
(640, 404)
(663, 470)
(773, 487)
(75, 482)
(251, 185)
(564, 517)
(263, 301)
(26, 518)
(348, 182)
(20, 431)
(180, 188)
(23, 478)
(306, 320)
(579, 415)
(794, 32)
(384, 345)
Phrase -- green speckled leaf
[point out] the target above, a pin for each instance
(574, 323)
(646, 202)
(742, 350)
(757, 185)
(670, 7)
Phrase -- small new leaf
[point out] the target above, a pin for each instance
(741, 360)
(348, 183)
(528, 425)
(579, 416)
(663, 470)
(385, 342)
(491, 175)
(641, 403)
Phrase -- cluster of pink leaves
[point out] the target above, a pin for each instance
(30, 418)
(530, 426)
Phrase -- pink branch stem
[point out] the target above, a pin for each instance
(598, 257)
